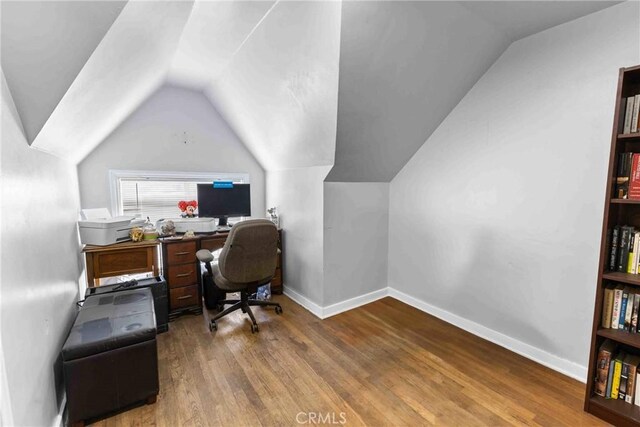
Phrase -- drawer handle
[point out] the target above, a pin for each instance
(182, 253)
(184, 274)
(185, 296)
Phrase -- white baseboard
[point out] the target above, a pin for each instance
(303, 301)
(564, 366)
(337, 308)
(352, 303)
(58, 421)
(542, 357)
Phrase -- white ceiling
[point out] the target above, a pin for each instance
(405, 65)
(270, 68)
(280, 91)
(45, 44)
(520, 19)
(215, 32)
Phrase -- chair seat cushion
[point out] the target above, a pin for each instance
(229, 286)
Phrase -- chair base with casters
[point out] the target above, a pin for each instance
(244, 304)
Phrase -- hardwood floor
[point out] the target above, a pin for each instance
(382, 364)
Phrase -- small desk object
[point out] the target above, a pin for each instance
(121, 258)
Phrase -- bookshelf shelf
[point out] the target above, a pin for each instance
(631, 279)
(618, 212)
(629, 136)
(630, 414)
(626, 201)
(623, 337)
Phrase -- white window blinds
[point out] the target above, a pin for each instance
(156, 194)
(155, 199)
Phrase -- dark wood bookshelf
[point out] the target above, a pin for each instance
(626, 413)
(631, 279)
(617, 212)
(629, 136)
(623, 337)
(626, 201)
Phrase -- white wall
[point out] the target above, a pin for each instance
(356, 235)
(298, 194)
(497, 218)
(40, 260)
(152, 138)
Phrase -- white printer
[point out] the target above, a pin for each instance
(98, 227)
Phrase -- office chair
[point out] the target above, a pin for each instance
(247, 261)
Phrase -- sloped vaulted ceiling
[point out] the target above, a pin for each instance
(280, 90)
(358, 85)
(128, 64)
(40, 64)
(405, 65)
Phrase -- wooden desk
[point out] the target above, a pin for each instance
(121, 258)
(182, 270)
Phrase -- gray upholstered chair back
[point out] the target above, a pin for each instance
(250, 253)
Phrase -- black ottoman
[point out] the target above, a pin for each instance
(110, 359)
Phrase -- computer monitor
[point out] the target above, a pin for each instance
(224, 201)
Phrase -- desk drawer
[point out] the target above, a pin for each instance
(182, 275)
(184, 297)
(180, 253)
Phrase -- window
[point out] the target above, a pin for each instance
(156, 194)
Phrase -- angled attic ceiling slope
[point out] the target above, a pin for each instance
(77, 69)
(405, 65)
(127, 65)
(279, 92)
(44, 47)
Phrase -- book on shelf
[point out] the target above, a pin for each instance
(634, 313)
(607, 307)
(610, 377)
(632, 255)
(629, 310)
(613, 254)
(634, 114)
(633, 261)
(630, 108)
(632, 361)
(623, 250)
(623, 171)
(624, 379)
(617, 300)
(605, 355)
(634, 177)
(628, 115)
(617, 372)
(620, 308)
(623, 308)
(636, 398)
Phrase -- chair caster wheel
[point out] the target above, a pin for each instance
(254, 328)
(213, 326)
(278, 309)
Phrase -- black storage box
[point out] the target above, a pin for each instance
(160, 293)
(110, 358)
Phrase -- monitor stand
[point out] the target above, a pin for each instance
(222, 221)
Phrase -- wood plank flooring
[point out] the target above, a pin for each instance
(384, 364)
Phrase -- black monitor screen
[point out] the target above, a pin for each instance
(224, 202)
